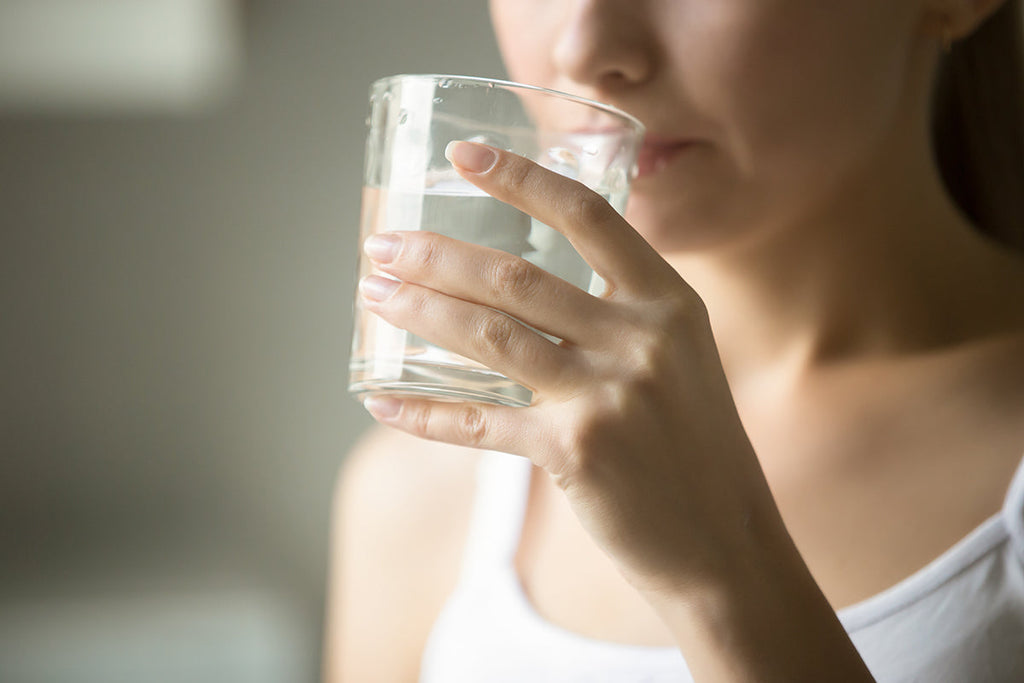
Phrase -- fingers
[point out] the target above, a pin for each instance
(601, 236)
(490, 277)
(477, 332)
(476, 425)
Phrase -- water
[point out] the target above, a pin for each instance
(386, 359)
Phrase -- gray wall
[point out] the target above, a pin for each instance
(175, 302)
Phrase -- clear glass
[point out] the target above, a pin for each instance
(409, 185)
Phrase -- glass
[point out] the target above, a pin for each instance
(410, 185)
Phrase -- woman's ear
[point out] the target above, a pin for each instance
(952, 20)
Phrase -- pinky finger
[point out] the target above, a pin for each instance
(476, 425)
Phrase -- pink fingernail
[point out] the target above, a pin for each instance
(382, 407)
(382, 248)
(470, 156)
(376, 288)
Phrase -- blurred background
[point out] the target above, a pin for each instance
(179, 184)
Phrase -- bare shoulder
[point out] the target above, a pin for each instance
(400, 518)
(994, 376)
(403, 472)
(408, 491)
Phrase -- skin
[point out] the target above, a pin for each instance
(807, 216)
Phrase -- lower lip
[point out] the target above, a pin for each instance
(653, 158)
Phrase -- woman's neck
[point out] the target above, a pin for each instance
(889, 267)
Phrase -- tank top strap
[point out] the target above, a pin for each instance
(1013, 510)
(499, 506)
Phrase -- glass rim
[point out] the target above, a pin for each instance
(512, 85)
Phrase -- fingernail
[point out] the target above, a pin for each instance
(382, 248)
(377, 288)
(470, 156)
(382, 407)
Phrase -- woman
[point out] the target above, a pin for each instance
(781, 446)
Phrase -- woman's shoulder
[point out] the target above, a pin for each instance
(399, 521)
(412, 494)
(390, 472)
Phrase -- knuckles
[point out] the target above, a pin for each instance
(495, 335)
(517, 176)
(589, 208)
(420, 253)
(470, 426)
(515, 280)
(417, 419)
(465, 425)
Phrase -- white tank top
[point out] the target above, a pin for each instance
(960, 618)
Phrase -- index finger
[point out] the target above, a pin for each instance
(602, 237)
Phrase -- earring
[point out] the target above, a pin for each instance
(947, 35)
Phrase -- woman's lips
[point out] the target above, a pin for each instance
(654, 155)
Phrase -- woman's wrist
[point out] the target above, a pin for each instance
(761, 618)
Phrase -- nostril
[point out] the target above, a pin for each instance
(614, 79)
(600, 53)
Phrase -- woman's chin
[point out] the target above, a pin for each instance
(668, 231)
(673, 220)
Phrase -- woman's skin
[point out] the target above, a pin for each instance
(805, 381)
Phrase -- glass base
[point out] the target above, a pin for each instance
(437, 381)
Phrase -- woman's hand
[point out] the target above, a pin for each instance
(632, 416)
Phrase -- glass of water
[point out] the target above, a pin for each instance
(410, 185)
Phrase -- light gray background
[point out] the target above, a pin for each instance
(175, 303)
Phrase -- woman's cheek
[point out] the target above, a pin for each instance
(771, 86)
(526, 31)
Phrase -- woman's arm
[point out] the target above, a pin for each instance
(761, 620)
(632, 417)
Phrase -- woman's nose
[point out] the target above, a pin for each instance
(605, 44)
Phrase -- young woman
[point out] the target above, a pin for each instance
(783, 445)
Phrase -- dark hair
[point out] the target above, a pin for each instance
(978, 124)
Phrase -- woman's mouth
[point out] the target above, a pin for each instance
(655, 154)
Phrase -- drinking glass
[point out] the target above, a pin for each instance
(410, 185)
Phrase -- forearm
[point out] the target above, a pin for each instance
(762, 619)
